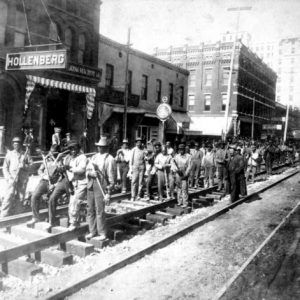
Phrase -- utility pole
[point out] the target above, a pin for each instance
(286, 122)
(238, 9)
(126, 87)
(253, 113)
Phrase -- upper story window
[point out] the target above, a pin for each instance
(224, 101)
(109, 75)
(192, 78)
(191, 104)
(70, 42)
(171, 93)
(158, 90)
(54, 32)
(181, 96)
(71, 7)
(144, 89)
(81, 48)
(20, 29)
(3, 21)
(207, 102)
(208, 77)
(129, 82)
(225, 77)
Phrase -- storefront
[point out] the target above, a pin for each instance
(42, 90)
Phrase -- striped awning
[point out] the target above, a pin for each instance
(76, 88)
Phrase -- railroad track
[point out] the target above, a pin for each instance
(144, 213)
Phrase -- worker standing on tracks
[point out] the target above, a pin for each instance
(252, 164)
(208, 163)
(122, 160)
(137, 169)
(15, 171)
(196, 159)
(75, 164)
(181, 166)
(100, 174)
(220, 158)
(235, 169)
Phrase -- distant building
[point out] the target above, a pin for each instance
(150, 79)
(253, 87)
(283, 56)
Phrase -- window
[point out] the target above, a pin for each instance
(224, 101)
(129, 82)
(69, 41)
(207, 102)
(72, 7)
(144, 90)
(208, 77)
(181, 96)
(171, 93)
(3, 21)
(225, 77)
(109, 75)
(54, 32)
(20, 29)
(158, 90)
(191, 103)
(81, 48)
(192, 78)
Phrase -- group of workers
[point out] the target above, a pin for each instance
(92, 179)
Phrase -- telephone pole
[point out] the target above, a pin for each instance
(126, 87)
(238, 9)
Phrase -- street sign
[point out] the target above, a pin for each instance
(164, 99)
(36, 60)
(272, 127)
(163, 111)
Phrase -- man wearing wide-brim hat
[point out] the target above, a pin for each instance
(101, 179)
(56, 137)
(15, 171)
(75, 164)
(137, 169)
(122, 160)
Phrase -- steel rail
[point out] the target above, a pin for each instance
(97, 275)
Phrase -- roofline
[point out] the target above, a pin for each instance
(141, 54)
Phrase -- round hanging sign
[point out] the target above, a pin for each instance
(164, 99)
(163, 111)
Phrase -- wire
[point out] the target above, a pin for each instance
(28, 32)
(51, 22)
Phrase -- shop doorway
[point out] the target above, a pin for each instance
(57, 113)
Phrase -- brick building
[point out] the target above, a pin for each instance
(61, 96)
(253, 87)
(149, 80)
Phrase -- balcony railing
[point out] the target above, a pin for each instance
(113, 96)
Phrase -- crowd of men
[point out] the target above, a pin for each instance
(93, 179)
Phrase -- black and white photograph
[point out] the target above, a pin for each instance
(150, 149)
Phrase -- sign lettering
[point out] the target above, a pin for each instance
(55, 59)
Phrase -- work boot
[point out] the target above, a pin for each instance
(90, 235)
(32, 222)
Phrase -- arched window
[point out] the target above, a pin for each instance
(54, 34)
(69, 41)
(81, 48)
(3, 21)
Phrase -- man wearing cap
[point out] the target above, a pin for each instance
(75, 164)
(220, 157)
(181, 166)
(208, 163)
(235, 171)
(137, 169)
(15, 171)
(56, 137)
(100, 174)
(196, 159)
(122, 160)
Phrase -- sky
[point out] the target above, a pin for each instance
(161, 23)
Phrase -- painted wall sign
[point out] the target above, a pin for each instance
(55, 59)
(85, 71)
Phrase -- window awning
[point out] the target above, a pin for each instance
(46, 82)
(180, 117)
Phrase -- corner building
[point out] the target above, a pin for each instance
(48, 97)
(149, 79)
(252, 91)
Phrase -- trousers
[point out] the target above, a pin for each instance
(41, 189)
(96, 210)
(137, 181)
